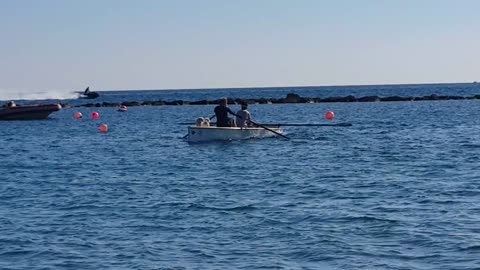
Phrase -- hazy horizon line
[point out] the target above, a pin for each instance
(287, 86)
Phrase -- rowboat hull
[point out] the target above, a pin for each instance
(206, 134)
(28, 112)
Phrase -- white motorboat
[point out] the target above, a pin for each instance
(213, 133)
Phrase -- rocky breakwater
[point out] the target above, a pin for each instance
(290, 98)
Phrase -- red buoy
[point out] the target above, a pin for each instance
(103, 128)
(330, 115)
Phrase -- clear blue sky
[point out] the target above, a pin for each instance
(119, 44)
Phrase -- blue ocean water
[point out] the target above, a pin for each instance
(399, 189)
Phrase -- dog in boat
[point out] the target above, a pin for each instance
(203, 122)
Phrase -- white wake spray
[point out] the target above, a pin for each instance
(29, 94)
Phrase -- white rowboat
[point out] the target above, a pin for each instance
(213, 133)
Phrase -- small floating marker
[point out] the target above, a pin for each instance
(123, 108)
(78, 115)
(330, 115)
(103, 128)
(95, 115)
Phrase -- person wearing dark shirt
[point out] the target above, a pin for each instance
(221, 112)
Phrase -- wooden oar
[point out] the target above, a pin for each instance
(295, 125)
(271, 130)
(311, 125)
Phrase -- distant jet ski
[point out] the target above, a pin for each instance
(88, 94)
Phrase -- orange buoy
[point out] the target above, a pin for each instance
(95, 115)
(78, 115)
(103, 128)
(330, 115)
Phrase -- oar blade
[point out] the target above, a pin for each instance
(310, 125)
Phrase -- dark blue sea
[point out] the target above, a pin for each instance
(399, 189)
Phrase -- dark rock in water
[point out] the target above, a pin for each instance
(277, 100)
(106, 104)
(148, 103)
(131, 103)
(159, 103)
(369, 99)
(339, 99)
(201, 102)
(263, 101)
(176, 102)
(238, 101)
(351, 98)
(291, 98)
(396, 98)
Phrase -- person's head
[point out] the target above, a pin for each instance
(223, 101)
(244, 106)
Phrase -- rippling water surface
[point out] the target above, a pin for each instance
(397, 190)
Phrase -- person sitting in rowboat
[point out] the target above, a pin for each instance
(244, 117)
(221, 112)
